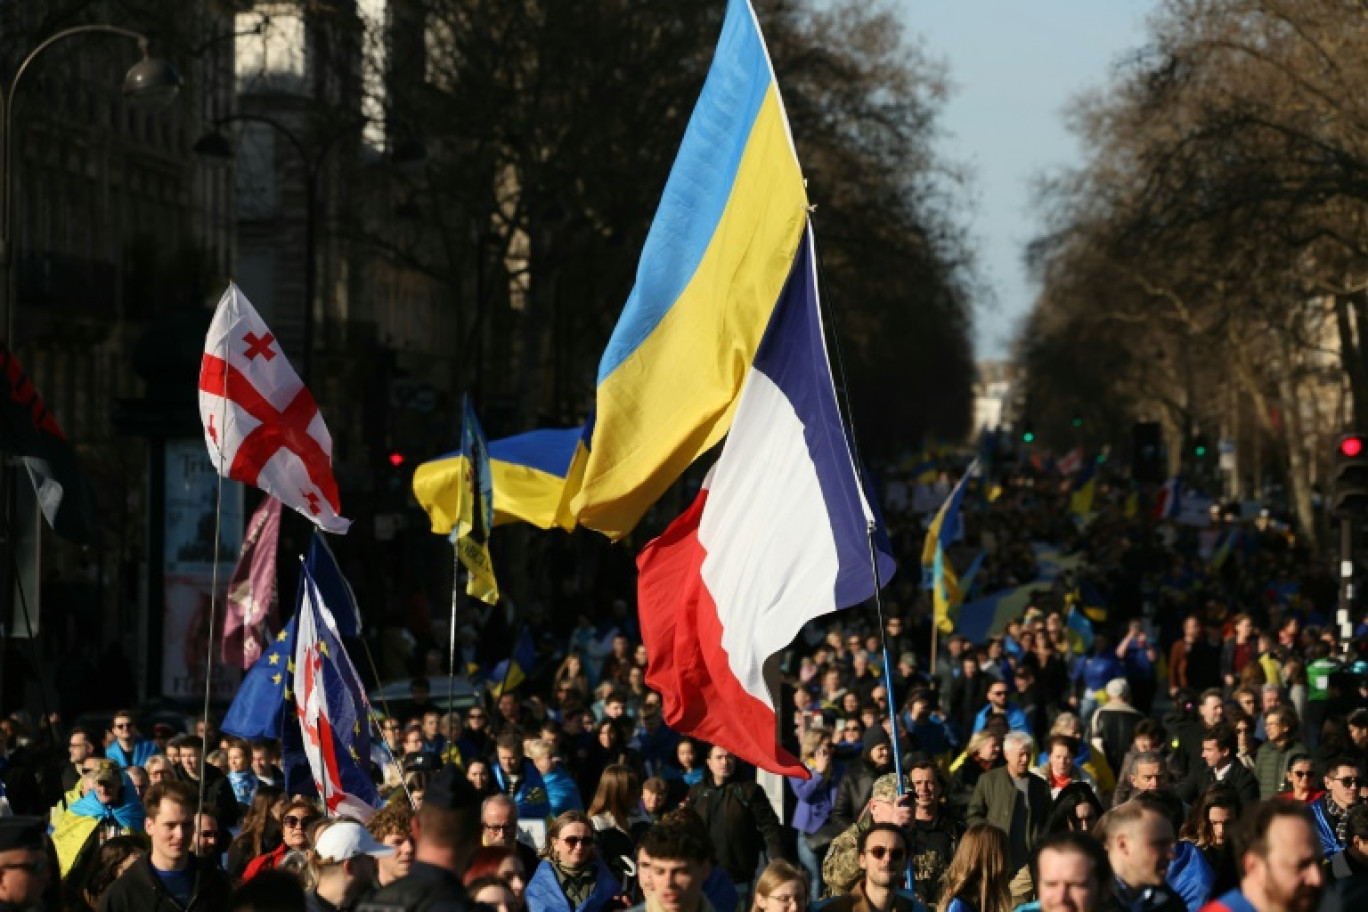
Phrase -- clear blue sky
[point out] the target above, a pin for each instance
(1014, 66)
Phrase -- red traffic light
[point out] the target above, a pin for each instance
(1351, 446)
(396, 458)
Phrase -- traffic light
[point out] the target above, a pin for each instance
(1027, 433)
(1199, 448)
(396, 458)
(1077, 421)
(1349, 476)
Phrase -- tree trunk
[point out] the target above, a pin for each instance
(1298, 470)
(1351, 353)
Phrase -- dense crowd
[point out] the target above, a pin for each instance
(1159, 723)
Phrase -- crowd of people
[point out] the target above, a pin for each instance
(1168, 725)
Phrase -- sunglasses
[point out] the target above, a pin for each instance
(575, 842)
(121, 725)
(997, 693)
(894, 855)
(1348, 780)
(292, 820)
(1300, 774)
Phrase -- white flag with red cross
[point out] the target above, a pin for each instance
(261, 423)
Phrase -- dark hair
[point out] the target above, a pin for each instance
(1251, 832)
(1355, 823)
(269, 891)
(881, 828)
(677, 841)
(1149, 728)
(1068, 741)
(510, 741)
(259, 826)
(1080, 844)
(1223, 733)
(1218, 795)
(108, 858)
(175, 791)
(1337, 761)
(1064, 813)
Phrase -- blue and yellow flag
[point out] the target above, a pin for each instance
(945, 528)
(511, 672)
(718, 253)
(457, 491)
(535, 476)
(1084, 490)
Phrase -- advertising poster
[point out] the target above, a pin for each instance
(188, 570)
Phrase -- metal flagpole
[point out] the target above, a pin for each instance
(451, 647)
(842, 389)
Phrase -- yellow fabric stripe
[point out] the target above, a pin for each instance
(438, 488)
(673, 398)
(525, 494)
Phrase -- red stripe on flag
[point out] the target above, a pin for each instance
(688, 665)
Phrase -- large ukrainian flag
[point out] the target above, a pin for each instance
(717, 255)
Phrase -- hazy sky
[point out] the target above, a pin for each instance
(1014, 66)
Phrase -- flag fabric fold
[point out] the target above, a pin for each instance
(717, 255)
(261, 423)
(1084, 491)
(250, 606)
(532, 475)
(778, 536)
(945, 528)
(508, 674)
(28, 430)
(258, 708)
(336, 592)
(332, 710)
(457, 491)
(1168, 503)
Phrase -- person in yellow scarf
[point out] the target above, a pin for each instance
(109, 809)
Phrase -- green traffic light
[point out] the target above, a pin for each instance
(1028, 437)
(1078, 422)
(1201, 451)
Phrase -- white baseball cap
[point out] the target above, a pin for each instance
(348, 839)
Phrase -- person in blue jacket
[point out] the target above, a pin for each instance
(571, 877)
(517, 778)
(128, 749)
(1329, 810)
(816, 797)
(999, 705)
(561, 791)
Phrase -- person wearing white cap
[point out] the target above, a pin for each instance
(345, 860)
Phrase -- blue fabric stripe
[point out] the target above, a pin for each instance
(699, 185)
(793, 356)
(548, 451)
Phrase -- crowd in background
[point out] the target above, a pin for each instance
(1171, 679)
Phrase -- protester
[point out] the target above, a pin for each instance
(572, 877)
(1139, 843)
(1072, 873)
(979, 876)
(1013, 800)
(1279, 856)
(933, 835)
(300, 814)
(740, 820)
(781, 887)
(503, 863)
(393, 827)
(882, 856)
(1330, 811)
(345, 865)
(816, 798)
(169, 878)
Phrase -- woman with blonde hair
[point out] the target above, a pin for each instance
(983, 754)
(816, 798)
(979, 879)
(782, 887)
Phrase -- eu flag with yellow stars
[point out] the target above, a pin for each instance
(258, 710)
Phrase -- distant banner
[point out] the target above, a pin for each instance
(188, 569)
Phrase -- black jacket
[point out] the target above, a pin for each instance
(740, 824)
(140, 890)
(1240, 777)
(852, 794)
(426, 888)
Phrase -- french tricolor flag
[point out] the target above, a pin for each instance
(778, 536)
(1168, 503)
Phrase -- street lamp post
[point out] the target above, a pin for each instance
(149, 80)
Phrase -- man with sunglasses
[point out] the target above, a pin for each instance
(841, 868)
(999, 705)
(1331, 810)
(24, 870)
(128, 749)
(882, 858)
(80, 747)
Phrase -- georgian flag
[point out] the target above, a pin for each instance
(261, 423)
